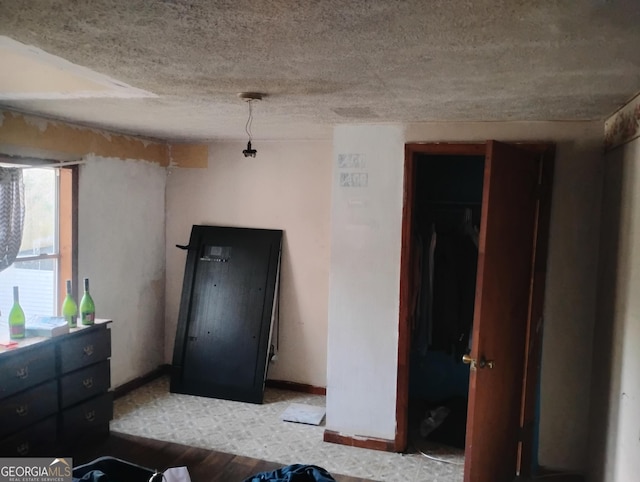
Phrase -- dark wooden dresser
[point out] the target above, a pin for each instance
(54, 392)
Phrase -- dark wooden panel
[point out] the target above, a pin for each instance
(84, 348)
(226, 315)
(85, 383)
(37, 440)
(31, 385)
(27, 407)
(224, 324)
(26, 368)
(503, 288)
(87, 416)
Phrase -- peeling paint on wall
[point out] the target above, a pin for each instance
(18, 131)
(59, 137)
(188, 155)
(37, 122)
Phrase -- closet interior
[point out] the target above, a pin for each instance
(447, 210)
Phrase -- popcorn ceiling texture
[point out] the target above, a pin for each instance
(333, 61)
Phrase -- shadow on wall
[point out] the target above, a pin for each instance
(284, 336)
(602, 436)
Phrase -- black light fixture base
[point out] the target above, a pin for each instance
(249, 152)
(249, 96)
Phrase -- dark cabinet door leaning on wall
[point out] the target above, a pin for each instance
(226, 313)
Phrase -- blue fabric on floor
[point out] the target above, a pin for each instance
(93, 476)
(294, 473)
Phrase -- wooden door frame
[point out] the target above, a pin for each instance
(536, 303)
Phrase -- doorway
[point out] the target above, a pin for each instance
(446, 223)
(498, 326)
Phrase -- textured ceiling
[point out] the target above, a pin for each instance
(326, 62)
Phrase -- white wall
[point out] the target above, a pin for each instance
(121, 250)
(287, 186)
(363, 311)
(615, 414)
(364, 292)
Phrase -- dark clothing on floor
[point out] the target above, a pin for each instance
(294, 473)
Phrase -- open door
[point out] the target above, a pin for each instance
(503, 290)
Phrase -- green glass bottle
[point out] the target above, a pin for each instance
(16, 317)
(87, 308)
(70, 308)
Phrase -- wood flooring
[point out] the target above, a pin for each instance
(203, 465)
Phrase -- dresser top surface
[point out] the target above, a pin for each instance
(8, 345)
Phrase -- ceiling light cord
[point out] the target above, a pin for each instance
(250, 97)
(249, 151)
(247, 126)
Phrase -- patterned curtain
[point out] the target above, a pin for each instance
(11, 214)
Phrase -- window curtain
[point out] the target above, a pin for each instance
(11, 214)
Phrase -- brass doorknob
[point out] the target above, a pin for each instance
(483, 363)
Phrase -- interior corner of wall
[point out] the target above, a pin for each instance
(188, 155)
(623, 125)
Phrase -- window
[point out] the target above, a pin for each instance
(45, 258)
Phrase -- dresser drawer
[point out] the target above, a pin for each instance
(84, 349)
(27, 407)
(38, 439)
(85, 383)
(27, 368)
(87, 416)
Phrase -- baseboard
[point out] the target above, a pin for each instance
(296, 387)
(128, 387)
(547, 473)
(166, 370)
(361, 442)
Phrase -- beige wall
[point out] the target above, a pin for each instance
(287, 186)
(121, 250)
(615, 409)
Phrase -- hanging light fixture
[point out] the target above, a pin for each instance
(250, 98)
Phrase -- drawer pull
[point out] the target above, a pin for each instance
(23, 373)
(87, 383)
(90, 416)
(23, 449)
(22, 410)
(88, 350)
